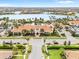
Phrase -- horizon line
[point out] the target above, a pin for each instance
(34, 7)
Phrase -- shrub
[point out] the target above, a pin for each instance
(30, 48)
(43, 49)
(19, 46)
(6, 47)
(65, 47)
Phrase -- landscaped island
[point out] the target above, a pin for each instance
(14, 51)
(61, 52)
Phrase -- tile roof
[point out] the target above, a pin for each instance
(74, 22)
(46, 28)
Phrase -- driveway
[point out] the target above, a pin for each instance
(36, 49)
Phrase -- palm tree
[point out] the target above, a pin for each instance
(30, 21)
(5, 25)
(24, 32)
(16, 25)
(32, 32)
(23, 21)
(41, 20)
(36, 21)
(63, 21)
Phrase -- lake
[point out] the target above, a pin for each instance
(25, 16)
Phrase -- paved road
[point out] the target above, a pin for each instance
(36, 49)
(70, 37)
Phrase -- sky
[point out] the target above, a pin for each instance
(39, 3)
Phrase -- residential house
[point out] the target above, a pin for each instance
(74, 26)
(38, 29)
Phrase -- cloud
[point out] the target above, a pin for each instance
(66, 1)
(6, 5)
(11, 5)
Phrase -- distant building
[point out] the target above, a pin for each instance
(17, 12)
(2, 22)
(74, 22)
(75, 26)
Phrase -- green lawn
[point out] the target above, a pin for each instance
(53, 37)
(77, 37)
(16, 37)
(27, 55)
(55, 54)
(20, 54)
(19, 57)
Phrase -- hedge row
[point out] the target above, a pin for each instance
(19, 46)
(65, 47)
(6, 47)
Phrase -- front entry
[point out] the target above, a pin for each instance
(37, 32)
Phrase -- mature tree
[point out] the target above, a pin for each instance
(15, 24)
(5, 25)
(24, 32)
(32, 32)
(23, 21)
(63, 20)
(36, 21)
(41, 20)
